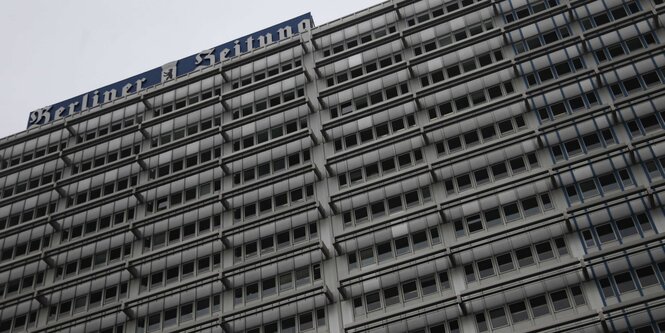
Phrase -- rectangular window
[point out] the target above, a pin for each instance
(560, 300)
(498, 318)
(539, 306)
(518, 312)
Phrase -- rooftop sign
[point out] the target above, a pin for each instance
(170, 71)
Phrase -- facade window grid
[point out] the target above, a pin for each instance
(654, 168)
(380, 168)
(105, 158)
(541, 39)
(641, 82)
(461, 67)
(92, 262)
(115, 126)
(31, 183)
(366, 68)
(20, 322)
(22, 285)
(624, 47)
(194, 98)
(392, 249)
(358, 103)
(271, 167)
(271, 133)
(24, 248)
(356, 40)
(28, 215)
(474, 99)
(504, 262)
(392, 205)
(101, 131)
(166, 137)
(618, 284)
(201, 89)
(554, 71)
(569, 105)
(531, 308)
(645, 124)
(181, 197)
(273, 203)
(507, 213)
(162, 320)
(527, 10)
(180, 273)
(490, 174)
(89, 301)
(471, 29)
(401, 293)
(267, 103)
(582, 145)
(113, 329)
(437, 11)
(180, 233)
(92, 226)
(276, 242)
(276, 285)
(451, 326)
(479, 136)
(109, 187)
(616, 230)
(314, 320)
(245, 73)
(599, 185)
(184, 163)
(375, 132)
(651, 327)
(608, 15)
(11, 161)
(260, 75)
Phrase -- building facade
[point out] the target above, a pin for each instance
(419, 166)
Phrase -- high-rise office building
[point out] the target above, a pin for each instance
(419, 166)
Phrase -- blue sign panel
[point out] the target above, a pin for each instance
(170, 71)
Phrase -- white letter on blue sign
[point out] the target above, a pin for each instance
(205, 55)
(42, 114)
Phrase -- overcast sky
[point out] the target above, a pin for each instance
(54, 50)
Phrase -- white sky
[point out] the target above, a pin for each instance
(52, 50)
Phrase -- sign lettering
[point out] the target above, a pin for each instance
(170, 71)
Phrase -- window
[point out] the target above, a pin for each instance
(285, 282)
(469, 273)
(544, 251)
(367, 257)
(306, 322)
(624, 282)
(391, 296)
(539, 306)
(576, 291)
(560, 300)
(485, 268)
(518, 312)
(606, 287)
(481, 323)
(409, 290)
(505, 262)
(402, 246)
(646, 276)
(605, 233)
(373, 301)
(524, 257)
(428, 285)
(498, 318)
